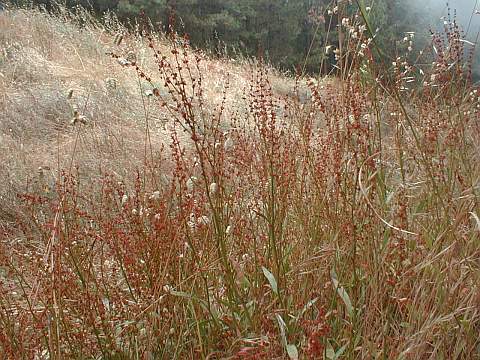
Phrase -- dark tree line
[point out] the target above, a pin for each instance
(280, 31)
(283, 32)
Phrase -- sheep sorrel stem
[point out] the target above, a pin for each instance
(160, 202)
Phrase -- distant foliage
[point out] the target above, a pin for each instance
(291, 34)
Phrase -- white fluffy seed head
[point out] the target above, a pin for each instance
(191, 183)
(228, 144)
(155, 196)
(203, 220)
(213, 188)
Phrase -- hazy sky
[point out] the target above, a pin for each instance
(465, 9)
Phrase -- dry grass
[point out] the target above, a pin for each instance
(45, 57)
(222, 216)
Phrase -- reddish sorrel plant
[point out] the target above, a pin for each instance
(344, 226)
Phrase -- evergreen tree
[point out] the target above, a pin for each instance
(288, 33)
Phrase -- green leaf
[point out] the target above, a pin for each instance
(271, 279)
(292, 352)
(307, 307)
(340, 352)
(180, 294)
(329, 351)
(282, 326)
(342, 293)
(244, 282)
(291, 349)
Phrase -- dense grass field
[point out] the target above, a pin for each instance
(156, 203)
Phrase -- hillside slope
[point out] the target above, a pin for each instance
(159, 204)
(52, 66)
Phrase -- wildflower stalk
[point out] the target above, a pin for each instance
(219, 228)
(405, 114)
(272, 224)
(420, 150)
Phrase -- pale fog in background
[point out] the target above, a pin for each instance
(466, 13)
(433, 13)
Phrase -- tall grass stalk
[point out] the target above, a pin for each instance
(219, 209)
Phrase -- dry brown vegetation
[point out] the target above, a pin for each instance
(44, 58)
(156, 203)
